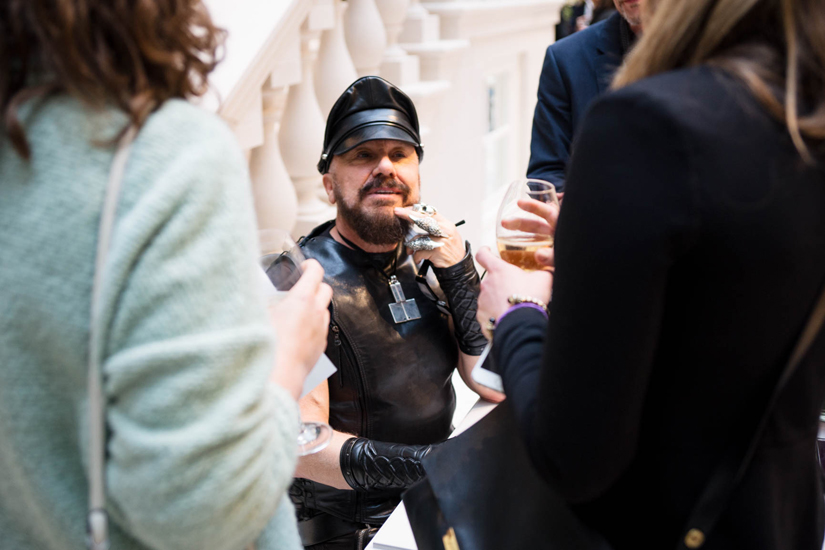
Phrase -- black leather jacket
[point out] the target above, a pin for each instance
(394, 380)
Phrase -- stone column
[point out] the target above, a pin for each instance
(334, 71)
(301, 139)
(421, 26)
(276, 203)
(365, 36)
(396, 65)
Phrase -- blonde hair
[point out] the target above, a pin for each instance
(777, 47)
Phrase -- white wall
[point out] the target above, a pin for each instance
(455, 172)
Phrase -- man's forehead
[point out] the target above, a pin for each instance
(383, 144)
(378, 147)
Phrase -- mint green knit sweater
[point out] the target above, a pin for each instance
(201, 448)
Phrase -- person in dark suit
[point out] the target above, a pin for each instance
(689, 253)
(576, 70)
(602, 10)
(568, 15)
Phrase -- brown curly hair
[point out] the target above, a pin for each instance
(135, 54)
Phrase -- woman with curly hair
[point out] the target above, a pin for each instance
(201, 405)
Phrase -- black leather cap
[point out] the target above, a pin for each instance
(371, 108)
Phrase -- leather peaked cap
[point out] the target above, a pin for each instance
(371, 108)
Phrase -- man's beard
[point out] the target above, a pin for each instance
(377, 227)
(632, 20)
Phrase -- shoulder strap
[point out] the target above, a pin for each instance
(97, 528)
(727, 475)
(315, 232)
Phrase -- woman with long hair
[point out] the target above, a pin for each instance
(690, 252)
(202, 418)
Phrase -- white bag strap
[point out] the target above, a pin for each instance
(97, 520)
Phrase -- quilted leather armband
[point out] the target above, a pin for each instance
(374, 465)
(461, 286)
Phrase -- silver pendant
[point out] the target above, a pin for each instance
(402, 310)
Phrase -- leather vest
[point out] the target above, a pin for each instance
(393, 381)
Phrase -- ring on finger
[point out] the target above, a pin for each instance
(423, 242)
(423, 208)
(429, 225)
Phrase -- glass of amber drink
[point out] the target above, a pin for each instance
(519, 232)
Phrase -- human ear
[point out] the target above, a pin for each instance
(328, 184)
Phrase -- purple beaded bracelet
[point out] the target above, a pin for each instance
(520, 306)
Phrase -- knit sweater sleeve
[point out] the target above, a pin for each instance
(201, 447)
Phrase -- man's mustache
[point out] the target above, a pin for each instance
(384, 183)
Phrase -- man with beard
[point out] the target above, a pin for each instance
(576, 70)
(394, 343)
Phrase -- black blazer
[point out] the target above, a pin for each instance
(690, 250)
(576, 70)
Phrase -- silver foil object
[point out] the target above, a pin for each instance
(429, 225)
(423, 242)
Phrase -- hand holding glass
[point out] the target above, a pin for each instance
(520, 230)
(281, 260)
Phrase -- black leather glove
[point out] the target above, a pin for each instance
(461, 285)
(374, 465)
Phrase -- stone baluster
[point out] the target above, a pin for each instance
(365, 36)
(334, 71)
(276, 203)
(397, 66)
(301, 139)
(421, 26)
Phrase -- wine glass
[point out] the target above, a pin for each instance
(520, 233)
(281, 261)
(820, 441)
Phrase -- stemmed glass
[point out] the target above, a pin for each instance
(520, 233)
(281, 260)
